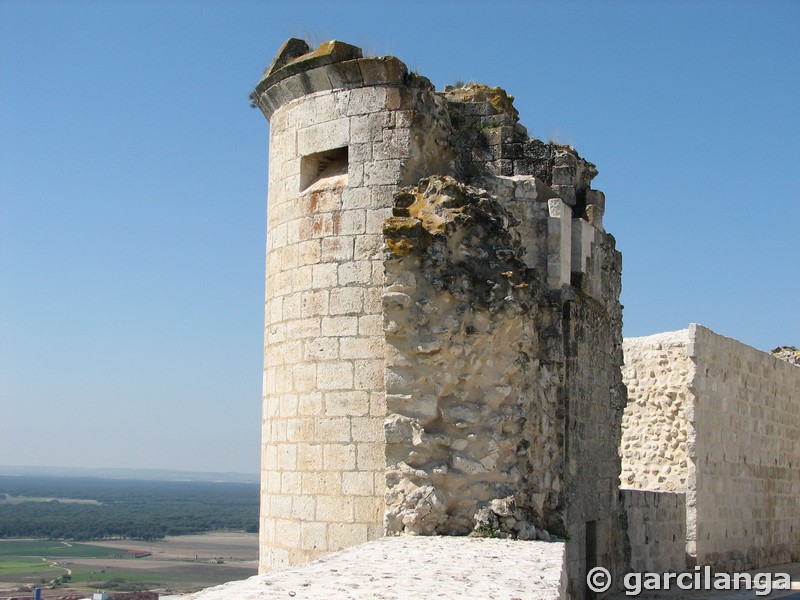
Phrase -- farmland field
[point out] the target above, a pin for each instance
(88, 533)
(177, 563)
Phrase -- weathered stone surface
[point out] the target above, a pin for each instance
(468, 330)
(414, 568)
(655, 428)
(494, 377)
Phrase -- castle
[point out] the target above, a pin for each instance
(443, 349)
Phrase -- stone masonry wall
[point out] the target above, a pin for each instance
(324, 402)
(339, 146)
(719, 420)
(594, 399)
(657, 372)
(746, 420)
(657, 530)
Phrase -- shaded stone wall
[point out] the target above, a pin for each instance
(594, 399)
(656, 529)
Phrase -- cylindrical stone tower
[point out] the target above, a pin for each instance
(345, 132)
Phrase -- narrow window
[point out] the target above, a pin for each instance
(322, 165)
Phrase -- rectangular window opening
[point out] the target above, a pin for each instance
(322, 165)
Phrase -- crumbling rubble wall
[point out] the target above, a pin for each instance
(473, 386)
(655, 428)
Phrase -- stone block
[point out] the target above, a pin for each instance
(310, 404)
(370, 456)
(346, 404)
(309, 456)
(335, 376)
(332, 429)
(339, 457)
(324, 275)
(313, 536)
(368, 373)
(346, 301)
(382, 172)
(303, 509)
(582, 239)
(384, 69)
(323, 136)
(355, 272)
(345, 74)
(334, 509)
(363, 348)
(340, 326)
(367, 100)
(367, 429)
(352, 222)
(322, 483)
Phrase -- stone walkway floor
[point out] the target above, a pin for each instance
(413, 568)
(446, 568)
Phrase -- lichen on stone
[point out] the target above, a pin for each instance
(501, 101)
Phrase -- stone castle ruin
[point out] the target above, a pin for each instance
(443, 349)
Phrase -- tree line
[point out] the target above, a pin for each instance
(144, 510)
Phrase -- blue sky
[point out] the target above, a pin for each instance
(133, 181)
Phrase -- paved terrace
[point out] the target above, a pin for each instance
(443, 568)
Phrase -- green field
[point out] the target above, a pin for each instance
(52, 549)
(14, 569)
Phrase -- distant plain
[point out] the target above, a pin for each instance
(178, 563)
(80, 534)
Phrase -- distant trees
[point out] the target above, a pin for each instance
(144, 510)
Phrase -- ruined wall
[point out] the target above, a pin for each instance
(442, 344)
(473, 386)
(504, 345)
(721, 421)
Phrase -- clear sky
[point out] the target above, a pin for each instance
(133, 180)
